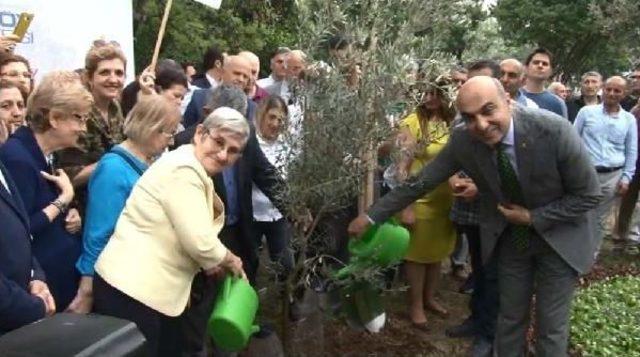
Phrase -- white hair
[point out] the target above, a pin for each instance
(250, 56)
(225, 118)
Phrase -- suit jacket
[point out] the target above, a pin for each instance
(57, 250)
(201, 81)
(253, 167)
(558, 181)
(166, 233)
(194, 114)
(18, 266)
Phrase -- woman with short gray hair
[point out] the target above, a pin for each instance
(168, 231)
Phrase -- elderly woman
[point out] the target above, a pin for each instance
(12, 110)
(168, 231)
(104, 76)
(56, 117)
(149, 129)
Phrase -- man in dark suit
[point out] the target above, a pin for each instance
(234, 186)
(24, 296)
(212, 69)
(537, 186)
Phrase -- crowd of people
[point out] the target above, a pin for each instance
(135, 201)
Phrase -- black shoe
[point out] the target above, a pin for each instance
(466, 329)
(481, 347)
(266, 330)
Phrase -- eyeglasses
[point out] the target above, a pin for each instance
(80, 118)
(16, 74)
(169, 134)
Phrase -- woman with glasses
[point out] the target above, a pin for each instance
(56, 117)
(105, 65)
(15, 69)
(168, 232)
(149, 129)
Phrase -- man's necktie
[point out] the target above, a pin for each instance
(513, 192)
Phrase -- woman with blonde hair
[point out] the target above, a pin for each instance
(56, 117)
(168, 232)
(432, 233)
(149, 129)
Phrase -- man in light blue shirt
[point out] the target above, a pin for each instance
(610, 136)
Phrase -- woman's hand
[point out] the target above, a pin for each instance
(147, 81)
(73, 222)
(8, 42)
(64, 185)
(83, 302)
(41, 290)
(232, 264)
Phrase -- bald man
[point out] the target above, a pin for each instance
(512, 78)
(610, 135)
(236, 70)
(538, 186)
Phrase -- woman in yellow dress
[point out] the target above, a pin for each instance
(425, 132)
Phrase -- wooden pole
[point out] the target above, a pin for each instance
(163, 26)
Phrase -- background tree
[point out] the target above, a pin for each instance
(570, 30)
(257, 26)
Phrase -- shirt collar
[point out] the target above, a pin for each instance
(508, 138)
(211, 80)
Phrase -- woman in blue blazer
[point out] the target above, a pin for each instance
(56, 117)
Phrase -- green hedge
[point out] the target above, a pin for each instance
(606, 318)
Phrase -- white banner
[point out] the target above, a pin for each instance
(62, 31)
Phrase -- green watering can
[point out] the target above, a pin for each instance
(382, 245)
(231, 323)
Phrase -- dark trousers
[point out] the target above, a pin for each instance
(627, 206)
(277, 234)
(204, 289)
(484, 299)
(159, 330)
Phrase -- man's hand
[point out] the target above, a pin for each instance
(408, 216)
(622, 188)
(359, 225)
(73, 222)
(40, 289)
(515, 214)
(463, 188)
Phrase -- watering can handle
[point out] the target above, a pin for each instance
(226, 287)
